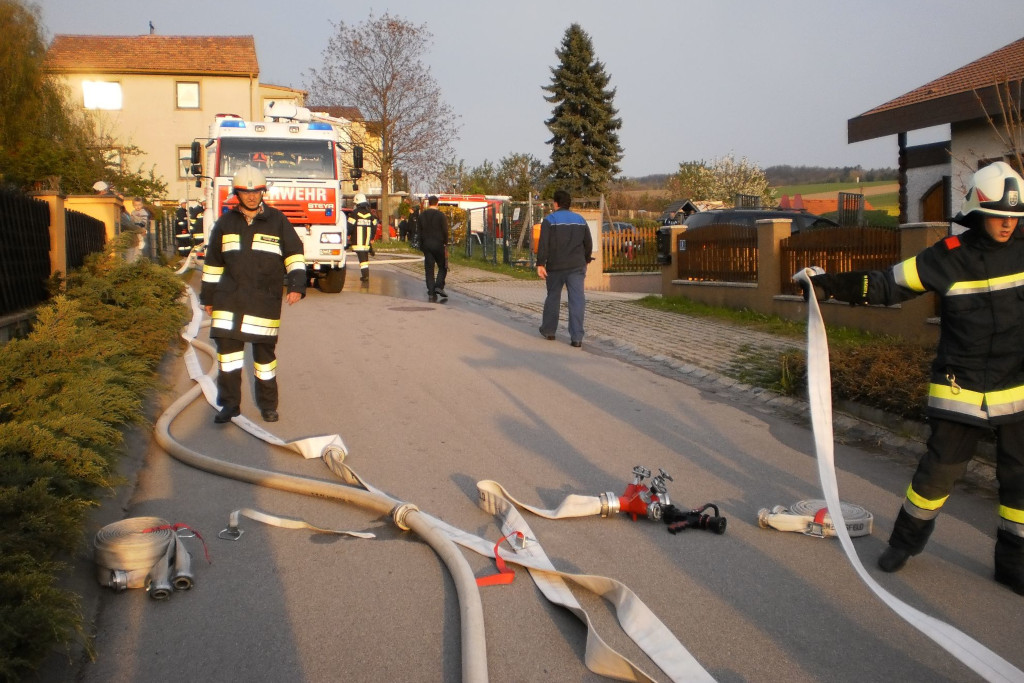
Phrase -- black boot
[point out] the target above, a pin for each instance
(908, 538)
(1010, 560)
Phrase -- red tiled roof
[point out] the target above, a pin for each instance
(350, 113)
(229, 55)
(1004, 65)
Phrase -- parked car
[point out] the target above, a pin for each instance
(802, 220)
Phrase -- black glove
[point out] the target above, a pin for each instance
(851, 287)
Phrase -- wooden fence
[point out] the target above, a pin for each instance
(726, 253)
(24, 251)
(837, 250)
(635, 251)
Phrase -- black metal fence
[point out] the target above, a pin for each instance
(24, 251)
(25, 248)
(85, 235)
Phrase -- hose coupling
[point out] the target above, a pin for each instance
(609, 503)
(401, 512)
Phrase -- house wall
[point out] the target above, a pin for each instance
(919, 181)
(150, 120)
(971, 142)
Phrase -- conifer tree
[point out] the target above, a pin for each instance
(585, 149)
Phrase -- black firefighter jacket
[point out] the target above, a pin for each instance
(977, 376)
(244, 271)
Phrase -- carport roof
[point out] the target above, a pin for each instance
(948, 99)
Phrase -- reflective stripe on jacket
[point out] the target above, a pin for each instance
(245, 269)
(977, 376)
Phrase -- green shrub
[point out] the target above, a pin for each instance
(66, 392)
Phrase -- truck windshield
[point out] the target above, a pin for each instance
(278, 158)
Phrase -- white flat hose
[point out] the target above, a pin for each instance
(636, 619)
(973, 654)
(474, 647)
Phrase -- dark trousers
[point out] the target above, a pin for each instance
(230, 353)
(434, 256)
(951, 446)
(573, 281)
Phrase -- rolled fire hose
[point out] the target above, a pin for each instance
(979, 658)
(811, 517)
(635, 618)
(142, 552)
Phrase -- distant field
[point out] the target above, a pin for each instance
(883, 195)
(871, 188)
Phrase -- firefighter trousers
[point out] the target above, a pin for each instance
(951, 446)
(231, 359)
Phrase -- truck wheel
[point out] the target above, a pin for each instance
(334, 281)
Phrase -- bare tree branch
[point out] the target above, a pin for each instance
(377, 67)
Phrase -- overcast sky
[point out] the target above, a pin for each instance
(773, 81)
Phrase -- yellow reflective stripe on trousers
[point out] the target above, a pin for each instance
(922, 502)
(1011, 514)
(230, 362)
(265, 371)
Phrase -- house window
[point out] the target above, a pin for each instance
(102, 95)
(187, 94)
(184, 157)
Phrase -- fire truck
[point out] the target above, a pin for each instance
(301, 156)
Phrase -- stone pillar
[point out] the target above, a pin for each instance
(770, 233)
(105, 208)
(58, 231)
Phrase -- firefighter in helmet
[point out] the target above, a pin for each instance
(362, 226)
(252, 250)
(182, 228)
(977, 377)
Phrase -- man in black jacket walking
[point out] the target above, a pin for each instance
(433, 239)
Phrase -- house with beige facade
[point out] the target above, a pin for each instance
(981, 104)
(159, 93)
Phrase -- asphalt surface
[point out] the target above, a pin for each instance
(432, 397)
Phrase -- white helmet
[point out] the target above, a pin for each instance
(359, 199)
(996, 190)
(183, 201)
(248, 178)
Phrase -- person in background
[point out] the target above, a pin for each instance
(362, 225)
(140, 214)
(977, 376)
(564, 249)
(253, 249)
(433, 241)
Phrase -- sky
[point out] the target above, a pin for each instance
(773, 82)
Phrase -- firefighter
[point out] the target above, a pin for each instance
(362, 226)
(196, 218)
(182, 228)
(977, 377)
(252, 250)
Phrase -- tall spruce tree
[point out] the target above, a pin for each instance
(585, 149)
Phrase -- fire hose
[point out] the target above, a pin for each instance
(979, 658)
(811, 517)
(636, 619)
(143, 552)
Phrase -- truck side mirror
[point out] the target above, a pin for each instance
(357, 161)
(197, 158)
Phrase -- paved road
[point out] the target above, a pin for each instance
(430, 399)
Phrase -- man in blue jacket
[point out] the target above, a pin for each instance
(564, 249)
